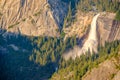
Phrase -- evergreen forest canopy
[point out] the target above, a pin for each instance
(99, 5)
(42, 56)
(36, 58)
(117, 17)
(76, 69)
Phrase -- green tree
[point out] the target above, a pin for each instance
(117, 17)
(68, 18)
(53, 57)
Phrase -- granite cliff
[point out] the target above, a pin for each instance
(108, 28)
(32, 17)
(107, 70)
(46, 18)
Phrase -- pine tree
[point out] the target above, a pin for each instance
(117, 17)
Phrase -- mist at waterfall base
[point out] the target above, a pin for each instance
(90, 44)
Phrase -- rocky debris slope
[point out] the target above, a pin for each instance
(32, 17)
(108, 70)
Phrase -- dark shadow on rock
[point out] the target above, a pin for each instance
(60, 14)
(115, 31)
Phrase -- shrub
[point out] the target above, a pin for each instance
(117, 17)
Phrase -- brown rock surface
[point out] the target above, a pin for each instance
(108, 28)
(105, 71)
(32, 17)
(80, 26)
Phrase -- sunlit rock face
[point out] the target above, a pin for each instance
(80, 27)
(108, 28)
(104, 70)
(32, 17)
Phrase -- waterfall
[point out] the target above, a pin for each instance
(91, 43)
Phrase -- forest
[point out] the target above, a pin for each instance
(42, 55)
(36, 57)
(76, 69)
(99, 5)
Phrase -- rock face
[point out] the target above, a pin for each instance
(80, 25)
(32, 17)
(46, 17)
(108, 28)
(105, 71)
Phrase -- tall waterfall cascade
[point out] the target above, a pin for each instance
(91, 43)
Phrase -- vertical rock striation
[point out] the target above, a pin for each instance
(115, 31)
(32, 17)
(108, 28)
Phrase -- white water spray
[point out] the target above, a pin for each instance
(92, 42)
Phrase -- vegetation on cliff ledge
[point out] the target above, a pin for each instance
(117, 17)
(99, 5)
